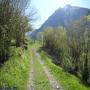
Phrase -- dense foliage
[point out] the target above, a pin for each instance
(71, 48)
(13, 25)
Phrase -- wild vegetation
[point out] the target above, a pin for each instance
(13, 25)
(65, 79)
(71, 48)
(14, 51)
(15, 72)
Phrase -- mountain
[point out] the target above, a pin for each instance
(64, 17)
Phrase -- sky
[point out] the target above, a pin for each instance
(46, 8)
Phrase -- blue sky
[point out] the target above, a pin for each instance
(46, 8)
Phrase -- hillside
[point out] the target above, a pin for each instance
(63, 17)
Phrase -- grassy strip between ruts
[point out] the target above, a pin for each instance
(14, 72)
(68, 81)
(41, 81)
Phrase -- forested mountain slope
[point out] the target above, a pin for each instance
(63, 17)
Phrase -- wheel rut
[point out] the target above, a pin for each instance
(31, 85)
(53, 82)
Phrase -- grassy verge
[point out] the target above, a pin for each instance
(14, 73)
(68, 81)
(41, 81)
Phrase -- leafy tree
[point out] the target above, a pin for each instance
(13, 25)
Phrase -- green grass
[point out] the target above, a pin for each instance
(66, 80)
(14, 73)
(41, 81)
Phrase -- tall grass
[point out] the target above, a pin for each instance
(68, 81)
(14, 72)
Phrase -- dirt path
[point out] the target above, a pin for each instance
(31, 85)
(54, 84)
